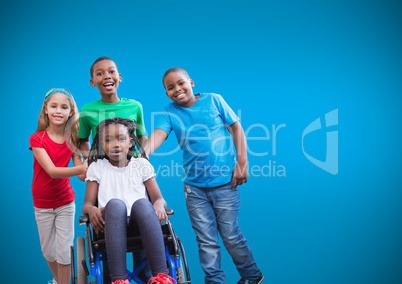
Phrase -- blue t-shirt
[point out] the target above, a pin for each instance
(208, 150)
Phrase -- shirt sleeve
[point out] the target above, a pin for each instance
(93, 172)
(140, 121)
(83, 131)
(35, 141)
(228, 115)
(163, 121)
(146, 169)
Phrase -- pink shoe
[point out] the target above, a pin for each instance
(161, 279)
(120, 281)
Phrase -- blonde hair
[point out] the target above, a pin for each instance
(72, 124)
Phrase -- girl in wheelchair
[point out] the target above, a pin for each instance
(116, 199)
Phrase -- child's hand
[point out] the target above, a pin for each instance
(160, 211)
(95, 217)
(83, 168)
(82, 177)
(240, 174)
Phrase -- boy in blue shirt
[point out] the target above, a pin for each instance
(212, 174)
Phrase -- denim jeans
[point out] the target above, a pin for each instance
(212, 211)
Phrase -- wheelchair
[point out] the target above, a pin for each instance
(91, 272)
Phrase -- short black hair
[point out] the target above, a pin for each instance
(174, 69)
(97, 60)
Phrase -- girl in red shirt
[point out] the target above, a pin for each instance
(54, 144)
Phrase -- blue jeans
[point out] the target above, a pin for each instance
(214, 210)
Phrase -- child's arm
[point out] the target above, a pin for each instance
(154, 141)
(57, 172)
(77, 160)
(240, 173)
(142, 139)
(89, 208)
(156, 199)
(85, 147)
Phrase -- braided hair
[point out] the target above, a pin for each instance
(97, 151)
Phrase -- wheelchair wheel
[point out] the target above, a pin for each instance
(183, 272)
(81, 275)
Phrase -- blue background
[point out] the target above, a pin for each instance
(275, 62)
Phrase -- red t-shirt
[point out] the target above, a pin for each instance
(50, 192)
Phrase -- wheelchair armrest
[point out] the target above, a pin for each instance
(169, 211)
(83, 219)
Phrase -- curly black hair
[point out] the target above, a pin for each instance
(97, 152)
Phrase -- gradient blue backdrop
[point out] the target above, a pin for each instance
(275, 62)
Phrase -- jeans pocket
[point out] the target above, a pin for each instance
(187, 189)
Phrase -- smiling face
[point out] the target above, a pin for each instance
(58, 109)
(179, 88)
(106, 77)
(116, 143)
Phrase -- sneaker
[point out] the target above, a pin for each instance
(52, 282)
(120, 281)
(161, 279)
(247, 281)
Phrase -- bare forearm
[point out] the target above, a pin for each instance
(154, 141)
(59, 172)
(77, 160)
(142, 139)
(62, 172)
(240, 143)
(85, 147)
(240, 172)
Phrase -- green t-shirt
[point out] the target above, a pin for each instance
(94, 112)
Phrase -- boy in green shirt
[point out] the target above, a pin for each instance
(105, 76)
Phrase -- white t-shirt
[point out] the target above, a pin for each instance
(125, 183)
